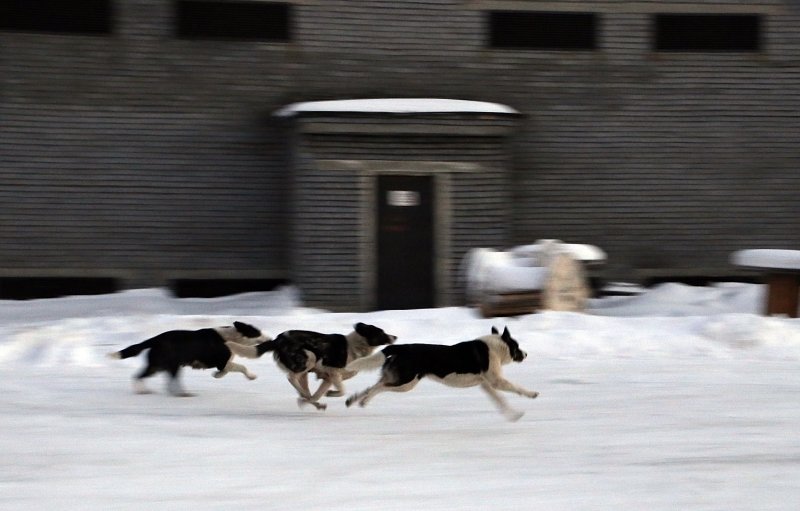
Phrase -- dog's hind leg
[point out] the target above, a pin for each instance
(366, 396)
(174, 385)
(138, 381)
(236, 368)
(314, 400)
(331, 380)
(338, 390)
(303, 380)
(300, 384)
(360, 397)
(139, 387)
(501, 404)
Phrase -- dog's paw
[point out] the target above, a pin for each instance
(334, 393)
(301, 402)
(219, 374)
(140, 388)
(533, 395)
(251, 376)
(513, 415)
(349, 401)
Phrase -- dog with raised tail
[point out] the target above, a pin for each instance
(466, 364)
(198, 349)
(299, 352)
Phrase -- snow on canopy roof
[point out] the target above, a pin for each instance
(397, 106)
(768, 258)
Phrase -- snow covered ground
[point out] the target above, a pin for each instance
(683, 398)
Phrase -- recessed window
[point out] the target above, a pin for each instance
(29, 288)
(707, 32)
(542, 30)
(250, 21)
(56, 16)
(210, 288)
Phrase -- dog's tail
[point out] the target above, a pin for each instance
(373, 361)
(132, 350)
(250, 351)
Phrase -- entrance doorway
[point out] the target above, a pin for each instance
(405, 242)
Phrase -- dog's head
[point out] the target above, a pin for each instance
(246, 330)
(517, 355)
(374, 335)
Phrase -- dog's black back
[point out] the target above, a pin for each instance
(197, 348)
(331, 350)
(290, 349)
(406, 362)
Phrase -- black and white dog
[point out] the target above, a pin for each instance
(466, 364)
(199, 349)
(299, 352)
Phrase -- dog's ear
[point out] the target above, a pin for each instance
(506, 334)
(494, 331)
(359, 327)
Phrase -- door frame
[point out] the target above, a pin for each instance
(431, 230)
(441, 228)
(442, 172)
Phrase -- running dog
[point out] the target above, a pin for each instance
(466, 364)
(199, 349)
(299, 352)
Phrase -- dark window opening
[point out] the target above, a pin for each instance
(707, 32)
(211, 288)
(29, 288)
(253, 21)
(701, 280)
(543, 30)
(56, 16)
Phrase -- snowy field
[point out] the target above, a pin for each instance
(680, 399)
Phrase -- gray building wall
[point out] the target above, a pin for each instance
(145, 157)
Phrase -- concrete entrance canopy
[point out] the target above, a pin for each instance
(338, 152)
(396, 106)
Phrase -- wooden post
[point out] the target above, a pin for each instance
(783, 294)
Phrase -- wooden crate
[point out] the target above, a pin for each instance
(511, 304)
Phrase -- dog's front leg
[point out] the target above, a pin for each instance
(237, 368)
(503, 384)
(501, 404)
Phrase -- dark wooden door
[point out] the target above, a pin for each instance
(405, 242)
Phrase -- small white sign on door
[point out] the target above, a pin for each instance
(402, 198)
